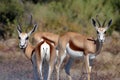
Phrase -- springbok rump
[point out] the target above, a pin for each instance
(44, 50)
(76, 45)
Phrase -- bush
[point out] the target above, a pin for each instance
(75, 15)
(9, 11)
(59, 16)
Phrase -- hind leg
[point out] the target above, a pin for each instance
(88, 67)
(59, 62)
(34, 63)
(40, 71)
(51, 67)
(68, 66)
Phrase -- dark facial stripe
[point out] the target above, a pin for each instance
(19, 37)
(27, 38)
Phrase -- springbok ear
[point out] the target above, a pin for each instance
(109, 24)
(33, 30)
(93, 22)
(19, 29)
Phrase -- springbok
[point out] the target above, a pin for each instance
(77, 45)
(44, 50)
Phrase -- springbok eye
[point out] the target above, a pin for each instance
(19, 37)
(105, 32)
(97, 32)
(27, 38)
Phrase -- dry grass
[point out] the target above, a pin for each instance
(113, 43)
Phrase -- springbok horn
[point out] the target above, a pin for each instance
(98, 21)
(103, 23)
(19, 24)
(30, 20)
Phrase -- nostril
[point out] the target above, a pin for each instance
(102, 41)
(21, 46)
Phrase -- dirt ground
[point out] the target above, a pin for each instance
(18, 67)
(15, 66)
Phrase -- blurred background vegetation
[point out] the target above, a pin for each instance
(57, 16)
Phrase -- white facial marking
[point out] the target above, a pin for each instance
(101, 34)
(76, 54)
(23, 40)
(45, 51)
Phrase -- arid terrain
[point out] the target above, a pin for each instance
(60, 16)
(15, 66)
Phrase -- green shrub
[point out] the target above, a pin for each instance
(9, 10)
(60, 16)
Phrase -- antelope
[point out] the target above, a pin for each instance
(44, 50)
(77, 45)
(40, 36)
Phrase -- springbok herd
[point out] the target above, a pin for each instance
(53, 48)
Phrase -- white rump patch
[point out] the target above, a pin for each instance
(45, 51)
(73, 53)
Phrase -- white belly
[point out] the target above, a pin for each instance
(45, 51)
(73, 53)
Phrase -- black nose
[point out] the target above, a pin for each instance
(21, 46)
(101, 41)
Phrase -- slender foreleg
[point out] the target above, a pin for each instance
(35, 72)
(88, 68)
